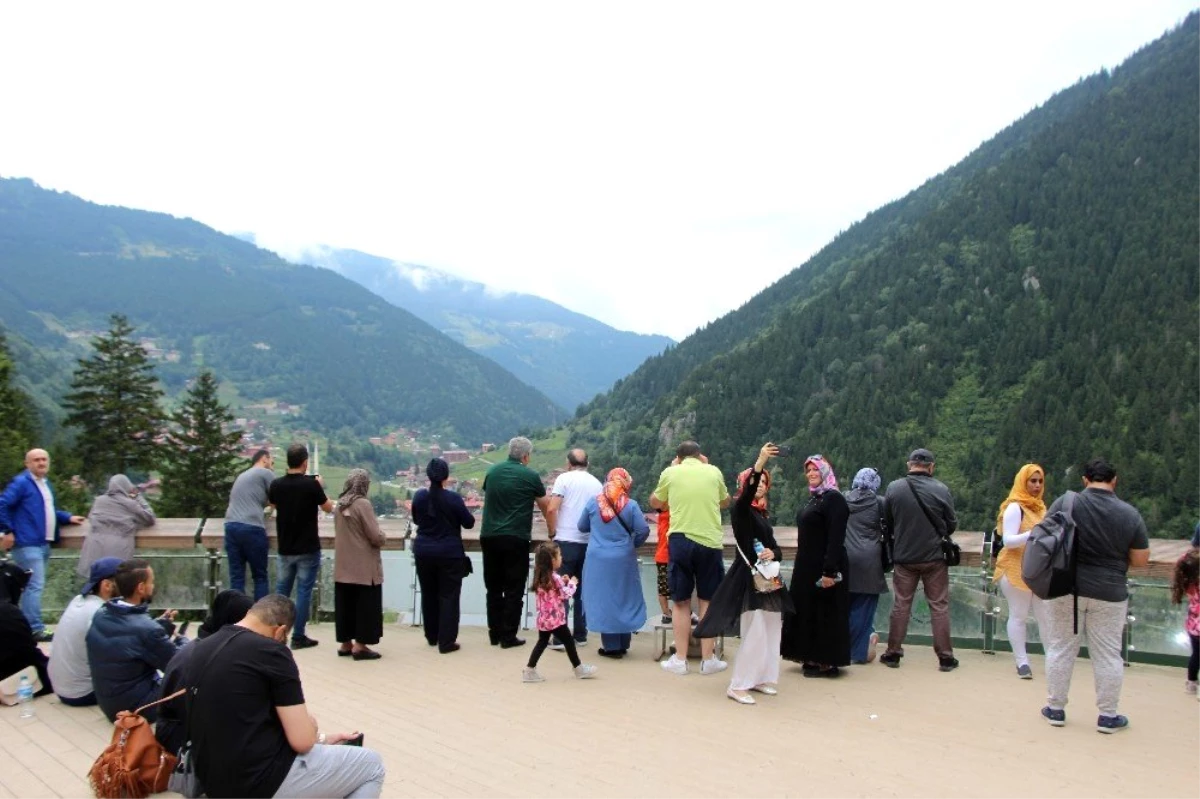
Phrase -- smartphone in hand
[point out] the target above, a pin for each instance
(784, 450)
(357, 740)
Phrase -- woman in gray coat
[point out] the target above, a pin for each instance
(113, 522)
(864, 544)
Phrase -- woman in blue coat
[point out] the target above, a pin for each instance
(612, 586)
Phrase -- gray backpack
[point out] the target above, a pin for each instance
(1049, 564)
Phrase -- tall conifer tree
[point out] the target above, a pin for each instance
(200, 459)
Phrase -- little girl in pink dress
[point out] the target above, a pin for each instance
(552, 593)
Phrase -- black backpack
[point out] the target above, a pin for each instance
(1050, 563)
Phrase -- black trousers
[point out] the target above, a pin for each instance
(1193, 667)
(563, 634)
(441, 585)
(357, 613)
(505, 572)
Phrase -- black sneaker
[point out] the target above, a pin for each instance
(1110, 724)
(303, 642)
(1057, 718)
(509, 643)
(891, 659)
(947, 664)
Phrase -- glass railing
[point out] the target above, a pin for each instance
(187, 581)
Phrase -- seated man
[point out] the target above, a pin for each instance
(18, 646)
(127, 649)
(265, 743)
(69, 660)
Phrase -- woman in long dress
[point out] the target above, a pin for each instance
(737, 606)
(818, 635)
(113, 523)
(357, 570)
(1019, 513)
(612, 588)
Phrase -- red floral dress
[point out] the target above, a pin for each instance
(550, 611)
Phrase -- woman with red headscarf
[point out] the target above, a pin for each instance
(737, 606)
(818, 636)
(612, 590)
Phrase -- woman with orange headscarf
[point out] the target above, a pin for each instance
(612, 588)
(1019, 512)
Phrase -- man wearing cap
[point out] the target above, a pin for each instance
(919, 512)
(29, 524)
(69, 669)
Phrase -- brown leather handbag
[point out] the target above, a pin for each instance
(135, 764)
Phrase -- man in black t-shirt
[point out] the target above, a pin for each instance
(251, 733)
(297, 497)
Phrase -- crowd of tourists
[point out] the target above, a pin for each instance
(108, 651)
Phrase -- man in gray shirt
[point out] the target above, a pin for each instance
(918, 513)
(245, 531)
(1111, 537)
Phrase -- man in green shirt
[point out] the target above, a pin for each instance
(511, 489)
(695, 492)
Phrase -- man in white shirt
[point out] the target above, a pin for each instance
(69, 670)
(571, 492)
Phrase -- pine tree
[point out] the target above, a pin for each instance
(114, 402)
(18, 428)
(200, 459)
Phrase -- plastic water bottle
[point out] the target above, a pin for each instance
(25, 697)
(758, 547)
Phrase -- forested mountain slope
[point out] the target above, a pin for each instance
(1038, 301)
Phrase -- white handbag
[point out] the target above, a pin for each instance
(10, 684)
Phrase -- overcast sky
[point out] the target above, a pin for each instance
(653, 165)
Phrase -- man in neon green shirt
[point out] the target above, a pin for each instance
(695, 492)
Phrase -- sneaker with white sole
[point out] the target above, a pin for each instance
(1111, 724)
(1025, 672)
(557, 647)
(531, 675)
(675, 665)
(585, 672)
(712, 665)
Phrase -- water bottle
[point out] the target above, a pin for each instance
(25, 697)
(758, 547)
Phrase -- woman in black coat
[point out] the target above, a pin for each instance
(818, 635)
(18, 648)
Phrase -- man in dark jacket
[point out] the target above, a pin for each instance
(919, 512)
(126, 648)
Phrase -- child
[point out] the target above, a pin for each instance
(661, 558)
(1186, 582)
(552, 593)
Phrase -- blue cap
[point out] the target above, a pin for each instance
(103, 569)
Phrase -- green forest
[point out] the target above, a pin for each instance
(1036, 302)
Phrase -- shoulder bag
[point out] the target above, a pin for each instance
(183, 778)
(135, 764)
(951, 552)
(762, 583)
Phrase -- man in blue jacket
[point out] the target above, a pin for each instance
(29, 523)
(127, 649)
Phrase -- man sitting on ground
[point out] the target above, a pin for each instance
(266, 743)
(127, 650)
(69, 667)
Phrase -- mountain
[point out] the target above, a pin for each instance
(1036, 302)
(276, 331)
(567, 356)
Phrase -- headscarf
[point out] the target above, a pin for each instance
(120, 485)
(759, 503)
(1019, 494)
(13, 580)
(615, 496)
(230, 607)
(867, 478)
(358, 482)
(828, 478)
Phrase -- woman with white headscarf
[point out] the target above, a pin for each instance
(114, 521)
(864, 547)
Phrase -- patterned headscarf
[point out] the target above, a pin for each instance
(615, 496)
(759, 503)
(867, 478)
(358, 482)
(1035, 506)
(828, 478)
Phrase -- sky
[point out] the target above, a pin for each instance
(652, 165)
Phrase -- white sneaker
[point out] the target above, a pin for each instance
(531, 675)
(557, 647)
(712, 665)
(585, 672)
(674, 665)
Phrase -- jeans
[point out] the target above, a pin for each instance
(573, 554)
(33, 559)
(505, 572)
(862, 624)
(935, 576)
(335, 770)
(305, 567)
(441, 586)
(246, 545)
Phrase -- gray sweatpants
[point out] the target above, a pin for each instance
(1103, 623)
(335, 770)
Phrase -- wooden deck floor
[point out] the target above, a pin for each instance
(464, 725)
